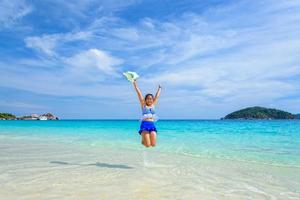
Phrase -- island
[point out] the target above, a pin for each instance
(7, 116)
(46, 116)
(258, 112)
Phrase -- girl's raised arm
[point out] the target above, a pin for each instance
(157, 95)
(138, 91)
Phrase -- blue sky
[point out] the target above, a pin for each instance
(211, 57)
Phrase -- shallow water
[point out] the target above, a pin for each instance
(207, 159)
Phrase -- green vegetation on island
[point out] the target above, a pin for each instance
(7, 116)
(260, 113)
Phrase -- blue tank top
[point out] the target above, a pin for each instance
(149, 112)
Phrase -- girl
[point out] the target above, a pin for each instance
(147, 128)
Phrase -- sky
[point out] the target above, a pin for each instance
(211, 57)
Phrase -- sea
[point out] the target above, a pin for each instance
(192, 159)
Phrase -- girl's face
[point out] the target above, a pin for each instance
(149, 100)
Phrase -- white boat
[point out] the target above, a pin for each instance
(43, 118)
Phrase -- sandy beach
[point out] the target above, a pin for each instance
(40, 169)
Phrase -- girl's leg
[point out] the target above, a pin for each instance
(153, 138)
(143, 143)
(146, 138)
(143, 140)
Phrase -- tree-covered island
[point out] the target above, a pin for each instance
(258, 112)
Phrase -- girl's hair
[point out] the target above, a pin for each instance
(149, 94)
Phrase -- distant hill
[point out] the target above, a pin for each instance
(260, 113)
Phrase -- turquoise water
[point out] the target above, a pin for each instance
(275, 142)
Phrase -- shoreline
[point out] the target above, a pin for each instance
(99, 147)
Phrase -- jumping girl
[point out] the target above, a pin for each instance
(147, 129)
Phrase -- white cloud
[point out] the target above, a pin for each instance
(94, 58)
(44, 44)
(130, 34)
(12, 10)
(48, 43)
